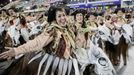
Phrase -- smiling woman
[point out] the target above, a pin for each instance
(57, 41)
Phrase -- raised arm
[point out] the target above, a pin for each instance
(31, 46)
(34, 45)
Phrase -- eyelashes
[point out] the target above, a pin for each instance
(61, 15)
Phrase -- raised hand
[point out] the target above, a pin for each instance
(8, 54)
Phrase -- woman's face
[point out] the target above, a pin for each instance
(114, 18)
(120, 13)
(79, 18)
(4, 13)
(61, 18)
(92, 18)
(12, 12)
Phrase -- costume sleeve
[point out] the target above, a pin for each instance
(34, 45)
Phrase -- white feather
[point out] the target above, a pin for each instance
(25, 34)
(69, 66)
(55, 64)
(35, 57)
(41, 63)
(49, 61)
(76, 68)
(60, 67)
(65, 66)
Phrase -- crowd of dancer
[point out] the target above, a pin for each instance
(69, 35)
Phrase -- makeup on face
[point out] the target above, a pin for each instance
(120, 13)
(61, 18)
(79, 17)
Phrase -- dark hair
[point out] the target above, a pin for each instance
(101, 14)
(13, 8)
(22, 20)
(108, 17)
(67, 10)
(128, 16)
(4, 11)
(83, 12)
(34, 7)
(91, 13)
(119, 9)
(52, 13)
(11, 22)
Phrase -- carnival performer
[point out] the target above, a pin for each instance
(120, 18)
(80, 29)
(57, 39)
(91, 22)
